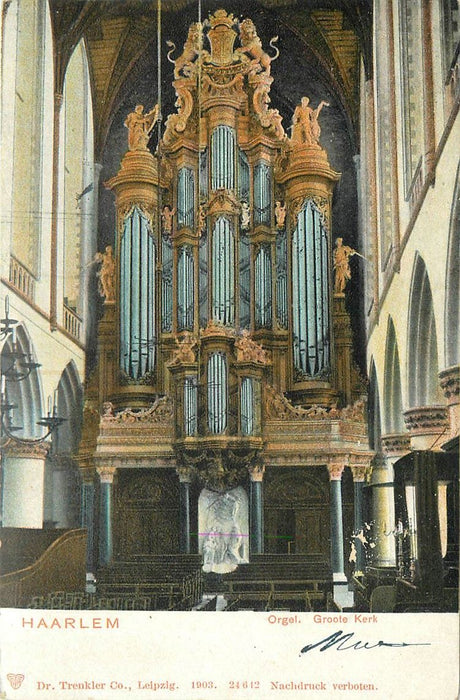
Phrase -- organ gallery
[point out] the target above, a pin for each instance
(231, 403)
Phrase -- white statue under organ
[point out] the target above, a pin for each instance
(223, 529)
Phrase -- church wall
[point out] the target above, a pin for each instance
(429, 238)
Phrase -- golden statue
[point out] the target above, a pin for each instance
(280, 214)
(167, 216)
(106, 274)
(184, 64)
(139, 127)
(342, 255)
(305, 126)
(252, 46)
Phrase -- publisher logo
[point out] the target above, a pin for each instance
(15, 679)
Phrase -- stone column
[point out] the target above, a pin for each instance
(394, 446)
(87, 518)
(256, 509)
(428, 427)
(449, 380)
(359, 477)
(185, 477)
(23, 484)
(106, 475)
(337, 560)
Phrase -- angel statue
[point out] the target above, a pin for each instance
(140, 126)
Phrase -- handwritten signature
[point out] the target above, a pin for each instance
(339, 640)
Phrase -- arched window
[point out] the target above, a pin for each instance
(223, 274)
(27, 137)
(76, 180)
(394, 422)
(137, 296)
(412, 87)
(422, 354)
(223, 158)
(310, 293)
(217, 393)
(185, 288)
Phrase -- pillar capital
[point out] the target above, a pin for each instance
(449, 381)
(106, 474)
(335, 470)
(360, 472)
(184, 474)
(256, 472)
(426, 420)
(395, 444)
(23, 450)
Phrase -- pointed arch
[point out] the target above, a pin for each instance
(25, 395)
(452, 308)
(422, 351)
(70, 407)
(392, 403)
(76, 179)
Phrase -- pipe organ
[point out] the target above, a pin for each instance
(224, 297)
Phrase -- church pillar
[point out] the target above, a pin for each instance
(394, 446)
(23, 484)
(337, 560)
(106, 475)
(449, 380)
(87, 519)
(184, 474)
(359, 476)
(256, 516)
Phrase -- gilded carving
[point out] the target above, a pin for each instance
(251, 46)
(185, 349)
(161, 411)
(280, 214)
(167, 218)
(341, 265)
(140, 126)
(106, 274)
(305, 126)
(247, 350)
(185, 63)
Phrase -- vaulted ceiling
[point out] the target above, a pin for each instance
(120, 33)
